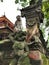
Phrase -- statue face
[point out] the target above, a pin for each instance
(32, 26)
(31, 22)
(32, 31)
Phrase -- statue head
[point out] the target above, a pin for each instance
(18, 18)
(35, 2)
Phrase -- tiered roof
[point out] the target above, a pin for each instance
(5, 22)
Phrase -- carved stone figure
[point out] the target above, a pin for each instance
(32, 2)
(21, 49)
(34, 17)
(18, 24)
(25, 46)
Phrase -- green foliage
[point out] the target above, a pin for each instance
(16, 1)
(13, 62)
(24, 3)
(45, 60)
(45, 9)
(47, 24)
(25, 61)
(23, 0)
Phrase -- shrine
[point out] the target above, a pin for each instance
(6, 27)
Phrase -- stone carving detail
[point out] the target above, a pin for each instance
(18, 24)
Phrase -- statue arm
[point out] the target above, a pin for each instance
(26, 49)
(11, 37)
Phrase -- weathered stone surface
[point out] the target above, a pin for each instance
(34, 17)
(33, 14)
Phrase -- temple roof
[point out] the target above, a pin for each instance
(5, 20)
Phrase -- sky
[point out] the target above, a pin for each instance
(9, 8)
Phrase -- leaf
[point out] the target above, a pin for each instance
(24, 4)
(24, 0)
(16, 1)
(47, 24)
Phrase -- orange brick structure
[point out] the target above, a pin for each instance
(6, 27)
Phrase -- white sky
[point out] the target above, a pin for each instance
(10, 9)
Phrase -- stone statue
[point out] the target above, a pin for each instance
(20, 47)
(18, 24)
